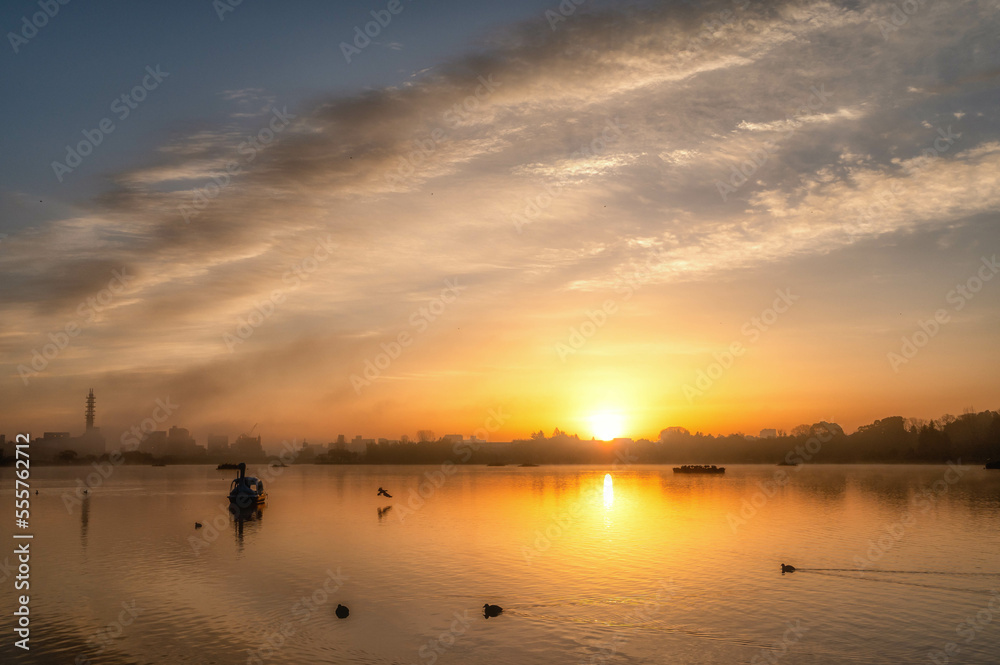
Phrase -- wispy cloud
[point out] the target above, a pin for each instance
(417, 182)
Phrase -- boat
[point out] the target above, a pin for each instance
(246, 490)
(699, 468)
(784, 463)
(227, 465)
(496, 464)
(992, 464)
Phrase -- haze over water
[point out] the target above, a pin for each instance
(653, 568)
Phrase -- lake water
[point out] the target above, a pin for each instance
(653, 568)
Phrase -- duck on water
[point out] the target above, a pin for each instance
(491, 610)
(246, 490)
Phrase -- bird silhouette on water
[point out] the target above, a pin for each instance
(197, 525)
(491, 610)
(787, 569)
(342, 612)
(382, 492)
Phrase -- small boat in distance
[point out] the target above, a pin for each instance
(699, 468)
(246, 490)
(786, 463)
(496, 464)
(227, 465)
(992, 464)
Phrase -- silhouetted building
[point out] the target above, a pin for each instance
(155, 443)
(50, 445)
(180, 443)
(308, 452)
(90, 443)
(218, 444)
(359, 445)
(247, 447)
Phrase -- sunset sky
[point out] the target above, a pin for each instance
(542, 207)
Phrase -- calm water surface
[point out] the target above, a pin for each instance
(653, 568)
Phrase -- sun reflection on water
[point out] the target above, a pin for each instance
(609, 491)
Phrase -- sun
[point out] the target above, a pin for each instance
(606, 426)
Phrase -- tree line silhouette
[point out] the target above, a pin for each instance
(971, 437)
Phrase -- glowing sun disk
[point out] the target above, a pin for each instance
(606, 426)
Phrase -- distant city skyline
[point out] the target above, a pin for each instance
(156, 436)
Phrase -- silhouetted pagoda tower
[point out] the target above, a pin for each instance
(90, 411)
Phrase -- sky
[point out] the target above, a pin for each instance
(495, 218)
